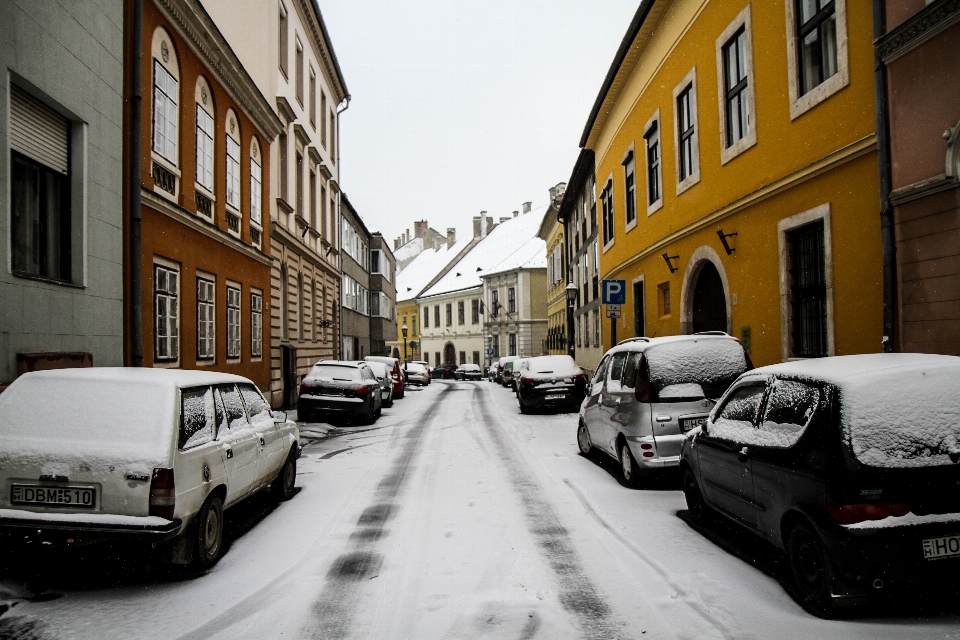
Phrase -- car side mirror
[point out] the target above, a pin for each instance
(279, 416)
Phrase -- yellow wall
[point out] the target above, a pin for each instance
(556, 295)
(407, 310)
(826, 155)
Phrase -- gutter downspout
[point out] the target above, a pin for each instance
(136, 276)
(883, 165)
(343, 106)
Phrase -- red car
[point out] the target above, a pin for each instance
(399, 381)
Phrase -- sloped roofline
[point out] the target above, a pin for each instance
(333, 54)
(581, 170)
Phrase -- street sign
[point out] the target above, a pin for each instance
(489, 352)
(613, 311)
(614, 292)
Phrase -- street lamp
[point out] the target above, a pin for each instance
(403, 330)
(572, 294)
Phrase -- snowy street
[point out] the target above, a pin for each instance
(453, 516)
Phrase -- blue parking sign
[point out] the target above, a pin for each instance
(614, 292)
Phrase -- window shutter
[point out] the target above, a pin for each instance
(38, 132)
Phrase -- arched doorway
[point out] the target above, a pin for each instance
(449, 354)
(709, 302)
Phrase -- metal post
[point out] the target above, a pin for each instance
(613, 332)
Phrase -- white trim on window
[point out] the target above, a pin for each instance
(166, 312)
(800, 104)
(234, 322)
(206, 318)
(651, 138)
(689, 82)
(629, 191)
(608, 214)
(749, 139)
(256, 324)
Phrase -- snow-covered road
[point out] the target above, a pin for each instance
(452, 517)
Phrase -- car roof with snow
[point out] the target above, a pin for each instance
(864, 369)
(140, 375)
(643, 344)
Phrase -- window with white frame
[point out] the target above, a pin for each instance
(355, 296)
(204, 149)
(256, 186)
(164, 113)
(380, 264)
(651, 136)
(166, 301)
(736, 96)
(817, 56)
(630, 188)
(233, 322)
(233, 162)
(256, 324)
(206, 328)
(686, 141)
(606, 206)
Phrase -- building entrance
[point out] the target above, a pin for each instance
(709, 302)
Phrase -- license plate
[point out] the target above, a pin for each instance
(555, 396)
(944, 547)
(691, 423)
(78, 497)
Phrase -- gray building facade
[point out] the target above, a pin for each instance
(355, 286)
(383, 295)
(61, 176)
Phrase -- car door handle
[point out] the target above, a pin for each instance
(743, 453)
(229, 452)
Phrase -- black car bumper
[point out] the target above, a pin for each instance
(335, 405)
(553, 397)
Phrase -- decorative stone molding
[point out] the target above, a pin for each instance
(925, 24)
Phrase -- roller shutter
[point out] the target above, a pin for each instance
(38, 132)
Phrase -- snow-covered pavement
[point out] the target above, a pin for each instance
(451, 517)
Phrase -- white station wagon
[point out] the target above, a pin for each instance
(148, 454)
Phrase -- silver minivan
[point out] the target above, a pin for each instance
(648, 392)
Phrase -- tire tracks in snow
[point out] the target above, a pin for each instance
(577, 592)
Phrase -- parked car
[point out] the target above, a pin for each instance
(514, 370)
(849, 464)
(493, 371)
(396, 373)
(549, 381)
(506, 369)
(416, 374)
(427, 366)
(446, 370)
(382, 373)
(150, 455)
(468, 372)
(648, 392)
(335, 389)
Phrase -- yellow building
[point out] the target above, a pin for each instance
(407, 316)
(736, 176)
(551, 232)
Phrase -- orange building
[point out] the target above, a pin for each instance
(206, 131)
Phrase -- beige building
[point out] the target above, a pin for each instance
(287, 51)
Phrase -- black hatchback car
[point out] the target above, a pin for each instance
(550, 381)
(340, 389)
(849, 464)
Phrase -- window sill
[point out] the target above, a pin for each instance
(630, 226)
(39, 278)
(653, 208)
(738, 147)
(688, 182)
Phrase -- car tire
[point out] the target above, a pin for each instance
(583, 440)
(629, 470)
(524, 409)
(284, 485)
(209, 539)
(698, 509)
(810, 566)
(389, 403)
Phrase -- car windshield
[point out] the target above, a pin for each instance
(341, 373)
(554, 365)
(379, 369)
(469, 367)
(711, 363)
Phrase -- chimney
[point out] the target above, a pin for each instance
(516, 213)
(484, 224)
(419, 228)
(504, 218)
(476, 226)
(396, 243)
(526, 207)
(451, 236)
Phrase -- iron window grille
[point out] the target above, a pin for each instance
(735, 85)
(808, 291)
(816, 42)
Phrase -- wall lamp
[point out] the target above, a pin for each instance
(723, 240)
(668, 259)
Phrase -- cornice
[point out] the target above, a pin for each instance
(301, 134)
(188, 219)
(285, 109)
(923, 25)
(204, 38)
(316, 30)
(923, 189)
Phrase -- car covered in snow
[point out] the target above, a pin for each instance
(340, 389)
(382, 373)
(850, 464)
(468, 372)
(154, 455)
(550, 381)
(648, 392)
(396, 373)
(416, 374)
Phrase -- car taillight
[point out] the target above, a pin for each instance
(642, 390)
(362, 391)
(526, 381)
(579, 378)
(853, 513)
(163, 494)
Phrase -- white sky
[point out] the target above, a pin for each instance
(460, 106)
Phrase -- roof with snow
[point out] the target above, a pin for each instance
(512, 244)
(424, 268)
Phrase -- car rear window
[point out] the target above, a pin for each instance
(903, 418)
(336, 372)
(711, 363)
(555, 365)
(196, 417)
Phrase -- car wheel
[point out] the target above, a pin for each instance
(628, 466)
(523, 408)
(209, 533)
(284, 484)
(389, 402)
(583, 439)
(699, 511)
(810, 566)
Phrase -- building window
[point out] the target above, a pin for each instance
(808, 291)
(426, 317)
(449, 310)
(654, 179)
(735, 70)
(511, 300)
(475, 312)
(233, 165)
(496, 346)
(687, 143)
(298, 183)
(577, 328)
(437, 358)
(816, 51)
(256, 325)
(282, 153)
(461, 316)
(333, 137)
(606, 207)
(663, 298)
(436, 316)
(495, 303)
(313, 98)
(164, 113)
(299, 71)
(233, 322)
(512, 344)
(323, 121)
(413, 325)
(314, 221)
(41, 224)
(476, 357)
(256, 187)
(204, 149)
(630, 188)
(206, 331)
(463, 357)
(283, 39)
(166, 297)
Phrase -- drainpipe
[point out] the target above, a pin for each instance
(136, 309)
(883, 164)
(343, 106)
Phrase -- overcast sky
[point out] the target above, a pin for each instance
(460, 106)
